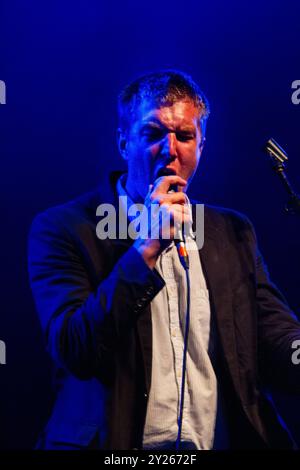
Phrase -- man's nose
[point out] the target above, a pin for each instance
(170, 145)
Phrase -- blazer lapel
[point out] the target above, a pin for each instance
(215, 258)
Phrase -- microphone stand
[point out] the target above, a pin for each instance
(279, 158)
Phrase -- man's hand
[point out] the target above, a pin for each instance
(174, 212)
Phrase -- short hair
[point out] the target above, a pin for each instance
(165, 88)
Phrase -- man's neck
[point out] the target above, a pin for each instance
(132, 191)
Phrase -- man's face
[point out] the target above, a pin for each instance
(166, 137)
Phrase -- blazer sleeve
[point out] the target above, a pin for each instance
(278, 329)
(83, 325)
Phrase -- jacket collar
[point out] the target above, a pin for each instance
(215, 259)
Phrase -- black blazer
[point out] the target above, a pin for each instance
(93, 298)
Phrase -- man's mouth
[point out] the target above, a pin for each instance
(165, 171)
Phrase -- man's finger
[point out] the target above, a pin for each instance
(163, 183)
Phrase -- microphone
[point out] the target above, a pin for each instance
(179, 242)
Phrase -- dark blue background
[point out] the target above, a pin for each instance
(64, 64)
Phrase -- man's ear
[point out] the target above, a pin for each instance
(122, 143)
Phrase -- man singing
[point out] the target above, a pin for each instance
(114, 309)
